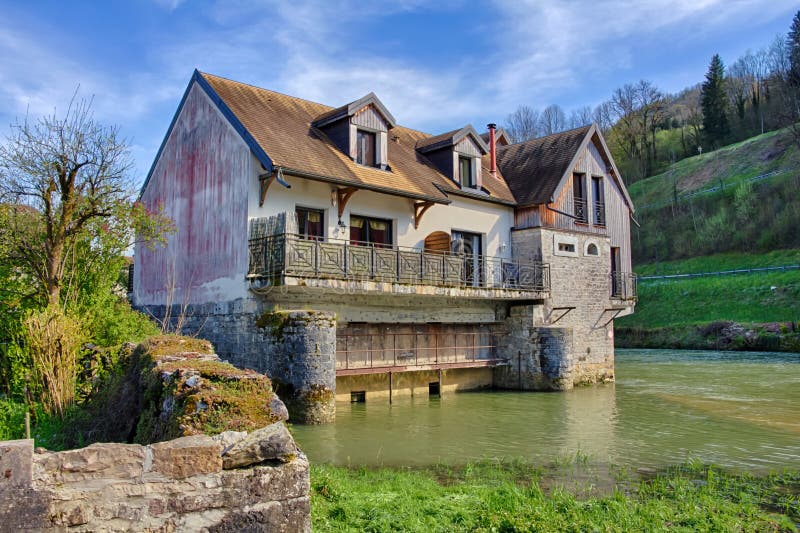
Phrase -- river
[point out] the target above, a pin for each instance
(734, 409)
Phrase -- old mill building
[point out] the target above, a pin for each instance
(349, 257)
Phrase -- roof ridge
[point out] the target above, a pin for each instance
(268, 90)
(585, 126)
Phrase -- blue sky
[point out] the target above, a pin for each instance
(436, 65)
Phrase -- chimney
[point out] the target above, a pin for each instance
(492, 150)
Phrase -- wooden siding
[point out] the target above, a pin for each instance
(443, 160)
(339, 133)
(590, 163)
(200, 181)
(369, 117)
(467, 146)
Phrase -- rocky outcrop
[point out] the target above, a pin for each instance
(254, 481)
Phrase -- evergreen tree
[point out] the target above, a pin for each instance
(793, 46)
(714, 102)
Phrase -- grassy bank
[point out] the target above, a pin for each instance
(698, 312)
(514, 496)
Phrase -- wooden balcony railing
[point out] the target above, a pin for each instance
(624, 286)
(293, 255)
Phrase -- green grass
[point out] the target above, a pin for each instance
(745, 298)
(718, 262)
(729, 165)
(508, 497)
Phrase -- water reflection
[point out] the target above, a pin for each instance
(731, 409)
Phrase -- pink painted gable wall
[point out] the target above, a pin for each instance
(201, 181)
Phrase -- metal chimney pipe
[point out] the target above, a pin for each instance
(492, 150)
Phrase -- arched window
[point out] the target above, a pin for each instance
(591, 249)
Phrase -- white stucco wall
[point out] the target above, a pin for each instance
(493, 221)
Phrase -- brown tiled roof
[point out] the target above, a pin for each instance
(533, 169)
(281, 125)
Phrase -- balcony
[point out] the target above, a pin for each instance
(624, 286)
(392, 269)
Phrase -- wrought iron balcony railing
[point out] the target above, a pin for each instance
(293, 255)
(624, 286)
(600, 213)
(581, 213)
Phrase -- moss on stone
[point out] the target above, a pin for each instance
(273, 322)
(188, 393)
(176, 344)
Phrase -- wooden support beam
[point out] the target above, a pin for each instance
(264, 181)
(343, 195)
(391, 383)
(419, 210)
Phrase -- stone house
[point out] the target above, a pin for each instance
(349, 257)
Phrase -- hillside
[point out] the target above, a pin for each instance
(742, 198)
(708, 214)
(728, 166)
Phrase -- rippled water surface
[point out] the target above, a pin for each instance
(729, 408)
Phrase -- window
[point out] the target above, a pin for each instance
(566, 245)
(465, 175)
(591, 249)
(366, 230)
(579, 197)
(310, 223)
(599, 201)
(366, 152)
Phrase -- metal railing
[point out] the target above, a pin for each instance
(580, 210)
(624, 286)
(293, 255)
(387, 350)
(600, 213)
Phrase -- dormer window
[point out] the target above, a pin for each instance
(360, 130)
(366, 148)
(465, 173)
(457, 154)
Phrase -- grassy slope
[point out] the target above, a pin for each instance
(742, 298)
(509, 497)
(739, 298)
(718, 262)
(752, 157)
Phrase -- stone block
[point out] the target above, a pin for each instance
(187, 456)
(269, 443)
(16, 464)
(97, 461)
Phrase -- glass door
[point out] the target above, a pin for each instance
(470, 246)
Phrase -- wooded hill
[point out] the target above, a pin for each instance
(740, 198)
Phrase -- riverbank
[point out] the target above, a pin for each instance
(518, 496)
(718, 335)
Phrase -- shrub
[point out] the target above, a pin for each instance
(53, 340)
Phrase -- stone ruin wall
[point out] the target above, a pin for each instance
(231, 482)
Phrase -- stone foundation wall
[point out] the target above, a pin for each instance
(232, 482)
(540, 358)
(296, 349)
(581, 282)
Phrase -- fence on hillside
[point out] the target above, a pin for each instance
(687, 195)
(756, 270)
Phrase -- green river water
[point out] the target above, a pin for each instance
(733, 409)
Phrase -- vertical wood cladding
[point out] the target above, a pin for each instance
(368, 117)
(590, 163)
(200, 181)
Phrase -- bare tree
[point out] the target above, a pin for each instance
(580, 117)
(523, 124)
(602, 115)
(553, 120)
(74, 174)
